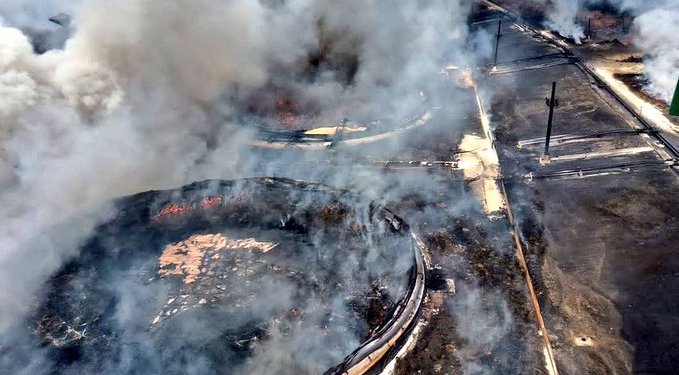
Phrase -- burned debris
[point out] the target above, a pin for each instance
(219, 268)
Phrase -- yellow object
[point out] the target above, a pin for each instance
(332, 130)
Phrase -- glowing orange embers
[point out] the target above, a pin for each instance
(173, 209)
(211, 202)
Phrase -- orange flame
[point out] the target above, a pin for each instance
(179, 208)
(211, 202)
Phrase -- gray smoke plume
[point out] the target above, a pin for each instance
(655, 24)
(656, 32)
(655, 27)
(148, 94)
(561, 17)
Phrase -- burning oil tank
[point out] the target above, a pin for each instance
(284, 114)
(249, 276)
(320, 99)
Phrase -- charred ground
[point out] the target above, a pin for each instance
(276, 259)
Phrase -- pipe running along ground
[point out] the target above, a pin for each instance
(373, 351)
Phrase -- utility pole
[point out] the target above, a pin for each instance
(551, 102)
(497, 41)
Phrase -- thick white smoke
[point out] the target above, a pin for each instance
(561, 17)
(23, 13)
(656, 35)
(655, 28)
(136, 100)
(119, 110)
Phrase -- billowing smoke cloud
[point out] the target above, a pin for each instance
(31, 16)
(117, 111)
(561, 17)
(34, 13)
(654, 27)
(147, 94)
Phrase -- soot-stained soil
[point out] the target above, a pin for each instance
(477, 316)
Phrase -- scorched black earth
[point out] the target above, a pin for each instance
(205, 278)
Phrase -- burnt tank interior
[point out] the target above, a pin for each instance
(204, 276)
